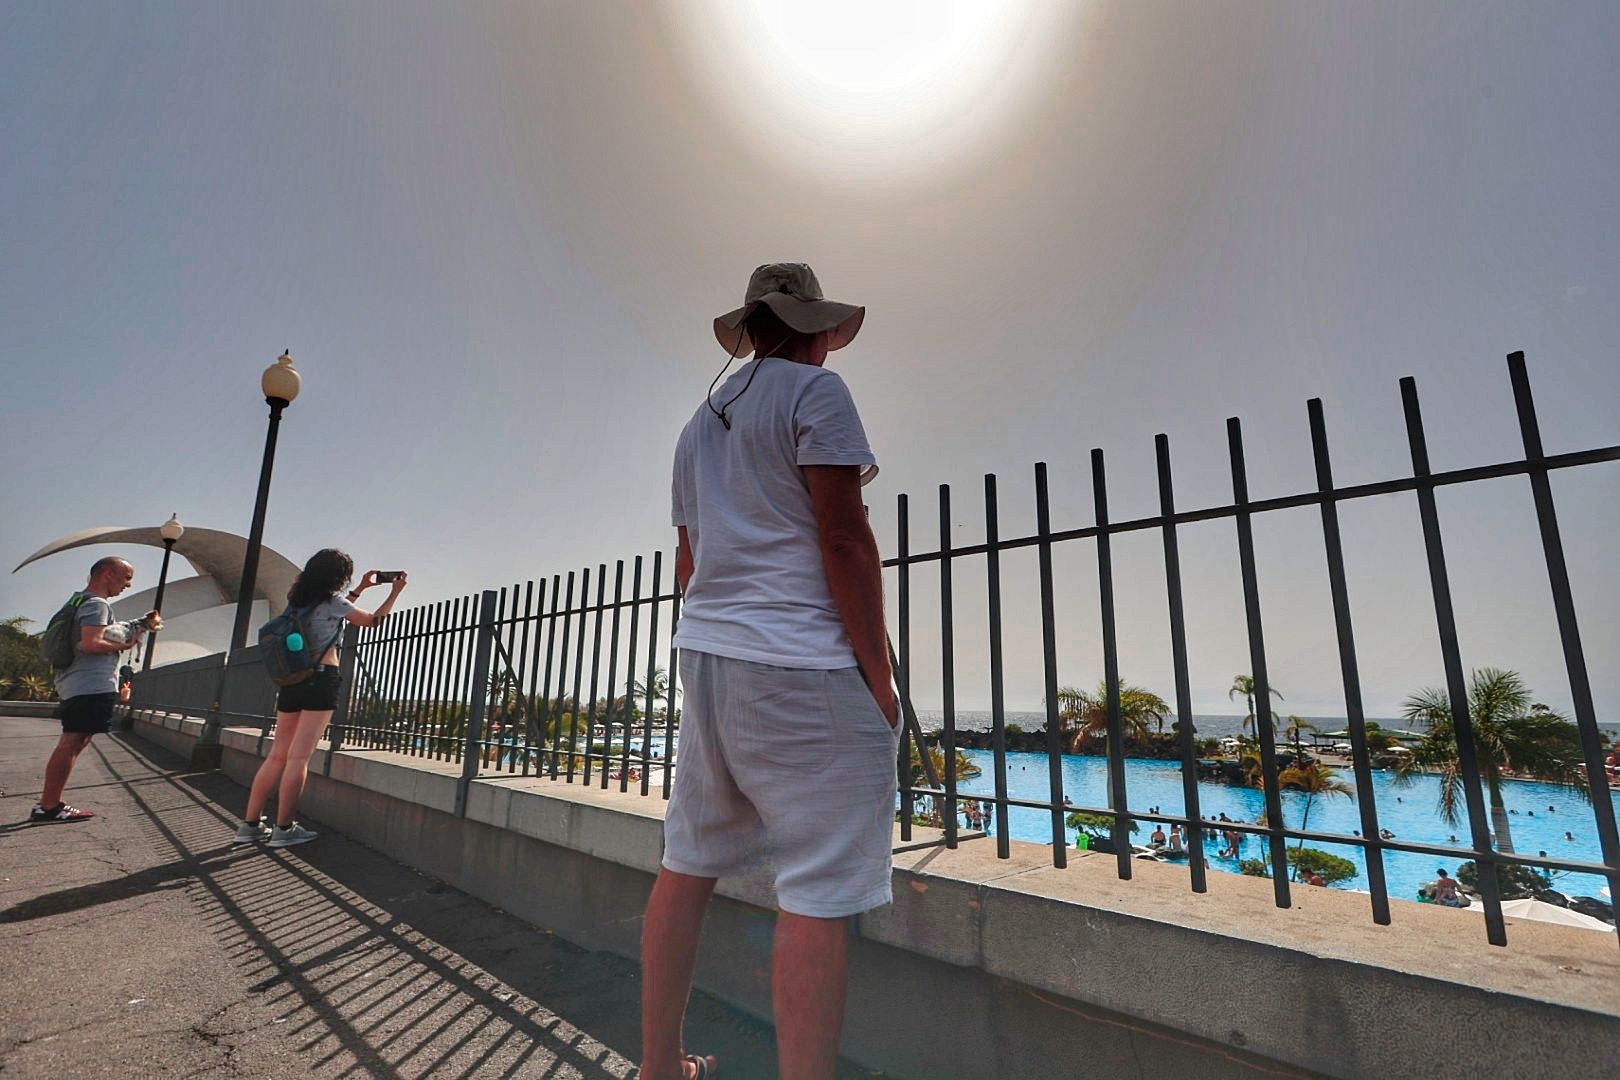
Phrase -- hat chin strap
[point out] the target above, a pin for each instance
(708, 398)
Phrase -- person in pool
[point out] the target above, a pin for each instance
(1445, 889)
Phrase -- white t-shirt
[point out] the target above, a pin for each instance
(758, 589)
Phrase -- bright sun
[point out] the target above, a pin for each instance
(887, 80)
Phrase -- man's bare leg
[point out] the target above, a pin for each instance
(809, 974)
(60, 767)
(669, 945)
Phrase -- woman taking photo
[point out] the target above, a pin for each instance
(303, 709)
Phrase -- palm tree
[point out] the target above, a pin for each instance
(1511, 732)
(1243, 685)
(1294, 727)
(1087, 713)
(965, 770)
(1313, 779)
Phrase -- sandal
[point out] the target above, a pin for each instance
(701, 1064)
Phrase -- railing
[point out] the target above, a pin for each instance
(499, 682)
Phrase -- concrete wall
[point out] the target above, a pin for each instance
(991, 968)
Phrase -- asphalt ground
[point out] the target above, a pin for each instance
(141, 943)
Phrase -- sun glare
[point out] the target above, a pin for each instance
(889, 80)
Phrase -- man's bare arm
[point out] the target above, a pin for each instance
(93, 639)
(854, 573)
(683, 558)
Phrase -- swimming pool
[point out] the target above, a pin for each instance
(1407, 810)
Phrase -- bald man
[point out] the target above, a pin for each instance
(88, 687)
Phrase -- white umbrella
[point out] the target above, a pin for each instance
(1544, 912)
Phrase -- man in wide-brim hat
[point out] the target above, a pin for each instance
(789, 726)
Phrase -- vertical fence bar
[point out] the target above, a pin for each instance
(386, 681)
(902, 672)
(1348, 668)
(596, 666)
(630, 674)
(543, 710)
(1117, 798)
(410, 709)
(1451, 655)
(441, 677)
(555, 725)
(579, 670)
(1178, 660)
(531, 679)
(495, 684)
(998, 708)
(519, 662)
(340, 716)
(652, 672)
(1054, 739)
(444, 712)
(444, 614)
(467, 646)
(669, 697)
(1569, 632)
(1276, 838)
(477, 698)
(427, 655)
(612, 671)
(947, 661)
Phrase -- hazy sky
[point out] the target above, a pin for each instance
(494, 243)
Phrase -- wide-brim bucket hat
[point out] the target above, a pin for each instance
(792, 292)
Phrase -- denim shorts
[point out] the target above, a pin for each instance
(318, 693)
(792, 767)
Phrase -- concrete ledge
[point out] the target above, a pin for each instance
(45, 709)
(1013, 968)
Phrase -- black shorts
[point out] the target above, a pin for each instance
(87, 714)
(318, 693)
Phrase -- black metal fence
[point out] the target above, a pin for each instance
(501, 682)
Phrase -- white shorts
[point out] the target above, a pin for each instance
(793, 765)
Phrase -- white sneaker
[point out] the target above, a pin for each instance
(251, 834)
(292, 834)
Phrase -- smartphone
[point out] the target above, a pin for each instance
(388, 575)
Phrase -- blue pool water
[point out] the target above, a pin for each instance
(1407, 810)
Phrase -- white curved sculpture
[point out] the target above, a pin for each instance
(197, 611)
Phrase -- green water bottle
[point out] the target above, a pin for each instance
(295, 642)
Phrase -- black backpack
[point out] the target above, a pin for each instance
(57, 643)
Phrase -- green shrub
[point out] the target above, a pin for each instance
(1331, 867)
(1098, 825)
(1014, 729)
(1254, 868)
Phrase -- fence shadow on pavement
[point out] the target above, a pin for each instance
(338, 943)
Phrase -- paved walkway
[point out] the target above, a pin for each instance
(141, 943)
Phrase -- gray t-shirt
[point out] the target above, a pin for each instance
(93, 673)
(324, 622)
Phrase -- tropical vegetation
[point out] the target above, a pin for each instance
(1512, 733)
(24, 675)
(1314, 780)
(1244, 686)
(1083, 714)
(1099, 826)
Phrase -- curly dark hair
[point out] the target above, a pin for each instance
(327, 571)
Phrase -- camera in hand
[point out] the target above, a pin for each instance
(388, 575)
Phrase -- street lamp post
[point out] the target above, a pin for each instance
(280, 383)
(171, 531)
